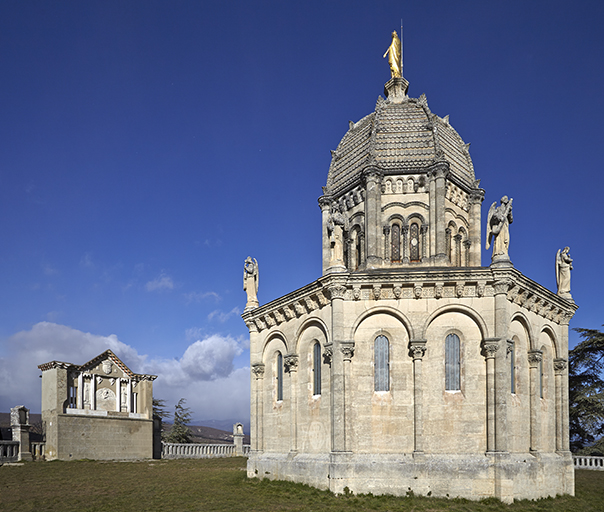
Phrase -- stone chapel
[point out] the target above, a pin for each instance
(408, 365)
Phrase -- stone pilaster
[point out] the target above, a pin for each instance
(475, 200)
(325, 205)
(291, 368)
(534, 358)
(502, 374)
(561, 405)
(437, 176)
(337, 374)
(490, 347)
(373, 179)
(417, 350)
(256, 430)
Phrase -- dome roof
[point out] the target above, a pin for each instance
(402, 136)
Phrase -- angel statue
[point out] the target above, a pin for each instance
(498, 229)
(394, 56)
(564, 264)
(250, 282)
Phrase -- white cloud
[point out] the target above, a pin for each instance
(163, 282)
(205, 374)
(86, 261)
(199, 296)
(49, 270)
(221, 316)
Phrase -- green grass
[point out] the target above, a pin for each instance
(221, 485)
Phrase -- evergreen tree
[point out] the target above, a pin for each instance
(180, 432)
(159, 411)
(586, 393)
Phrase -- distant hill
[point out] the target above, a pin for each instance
(201, 434)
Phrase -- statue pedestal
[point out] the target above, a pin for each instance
(251, 304)
(395, 89)
(501, 261)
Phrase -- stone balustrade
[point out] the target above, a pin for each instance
(586, 462)
(201, 451)
(37, 450)
(9, 451)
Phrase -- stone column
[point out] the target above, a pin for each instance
(325, 205)
(439, 172)
(19, 422)
(337, 374)
(405, 244)
(291, 368)
(457, 239)
(534, 358)
(257, 434)
(475, 201)
(93, 392)
(502, 374)
(423, 230)
(448, 245)
(432, 211)
(417, 350)
(129, 395)
(363, 260)
(467, 245)
(373, 179)
(386, 243)
(490, 346)
(118, 394)
(80, 399)
(560, 374)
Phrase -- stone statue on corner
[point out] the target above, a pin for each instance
(250, 283)
(336, 224)
(498, 229)
(394, 56)
(564, 264)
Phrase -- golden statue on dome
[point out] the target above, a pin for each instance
(394, 56)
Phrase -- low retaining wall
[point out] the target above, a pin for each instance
(585, 462)
(9, 451)
(201, 451)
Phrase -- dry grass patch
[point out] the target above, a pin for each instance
(221, 485)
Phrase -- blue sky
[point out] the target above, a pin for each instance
(149, 147)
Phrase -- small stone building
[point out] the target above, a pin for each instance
(98, 410)
(408, 365)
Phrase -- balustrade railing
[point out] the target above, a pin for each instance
(200, 451)
(9, 451)
(37, 450)
(588, 462)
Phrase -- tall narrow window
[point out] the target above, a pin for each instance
(382, 364)
(414, 242)
(279, 376)
(316, 369)
(73, 397)
(395, 250)
(513, 367)
(452, 363)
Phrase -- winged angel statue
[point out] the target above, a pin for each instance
(498, 228)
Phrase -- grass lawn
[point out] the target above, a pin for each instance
(221, 485)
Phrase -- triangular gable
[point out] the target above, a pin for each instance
(108, 354)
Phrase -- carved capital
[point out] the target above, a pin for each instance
(457, 238)
(559, 365)
(417, 349)
(387, 230)
(327, 354)
(325, 203)
(535, 357)
(423, 229)
(467, 244)
(509, 348)
(490, 346)
(337, 291)
(258, 370)
(290, 363)
(373, 174)
(501, 286)
(476, 196)
(347, 351)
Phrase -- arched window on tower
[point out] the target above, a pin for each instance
(395, 250)
(452, 363)
(414, 243)
(381, 364)
(279, 376)
(316, 368)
